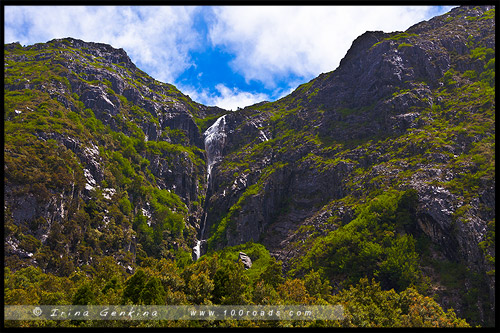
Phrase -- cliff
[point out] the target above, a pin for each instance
(409, 110)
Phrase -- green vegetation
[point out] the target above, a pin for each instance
(374, 244)
(127, 204)
(51, 147)
(218, 279)
(397, 37)
(367, 305)
(488, 15)
(400, 46)
(449, 145)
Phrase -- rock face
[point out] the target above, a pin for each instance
(129, 153)
(103, 160)
(392, 116)
(381, 89)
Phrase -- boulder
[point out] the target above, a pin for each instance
(247, 262)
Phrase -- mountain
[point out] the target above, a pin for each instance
(381, 169)
(405, 112)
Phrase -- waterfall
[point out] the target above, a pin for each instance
(215, 139)
(197, 250)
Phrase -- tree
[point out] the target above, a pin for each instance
(272, 275)
(264, 294)
(367, 305)
(231, 284)
(153, 292)
(199, 288)
(84, 295)
(294, 292)
(317, 286)
(422, 311)
(167, 272)
(134, 286)
(400, 269)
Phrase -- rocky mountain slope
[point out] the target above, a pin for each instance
(99, 157)
(383, 168)
(404, 111)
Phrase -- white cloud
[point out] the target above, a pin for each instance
(269, 43)
(157, 39)
(233, 98)
(225, 97)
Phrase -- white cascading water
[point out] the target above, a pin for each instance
(197, 250)
(215, 138)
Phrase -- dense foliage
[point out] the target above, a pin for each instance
(219, 279)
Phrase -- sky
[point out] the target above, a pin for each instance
(228, 56)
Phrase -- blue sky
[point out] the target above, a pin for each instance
(229, 56)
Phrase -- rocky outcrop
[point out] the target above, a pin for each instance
(247, 262)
